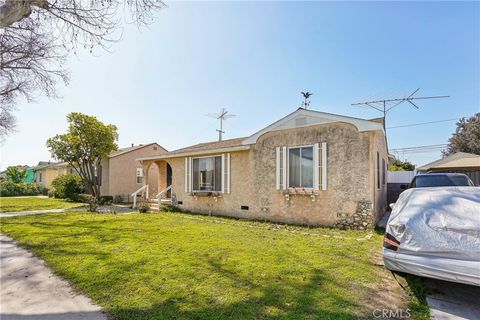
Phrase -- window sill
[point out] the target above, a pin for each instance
(301, 191)
(206, 194)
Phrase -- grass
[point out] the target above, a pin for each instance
(418, 299)
(171, 265)
(34, 203)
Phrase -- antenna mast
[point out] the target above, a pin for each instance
(385, 105)
(222, 115)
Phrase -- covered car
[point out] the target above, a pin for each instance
(435, 233)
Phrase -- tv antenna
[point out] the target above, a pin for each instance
(306, 101)
(386, 105)
(222, 116)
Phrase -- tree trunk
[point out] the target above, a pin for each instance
(15, 10)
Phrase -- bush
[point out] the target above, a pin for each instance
(143, 208)
(12, 189)
(118, 199)
(67, 186)
(82, 197)
(170, 208)
(106, 200)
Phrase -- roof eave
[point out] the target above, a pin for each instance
(361, 124)
(196, 153)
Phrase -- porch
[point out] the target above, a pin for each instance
(158, 192)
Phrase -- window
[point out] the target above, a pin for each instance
(139, 175)
(384, 171)
(378, 170)
(207, 174)
(300, 167)
(39, 177)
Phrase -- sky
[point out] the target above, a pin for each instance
(254, 58)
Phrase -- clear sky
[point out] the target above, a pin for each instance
(254, 58)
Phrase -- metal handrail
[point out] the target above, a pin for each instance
(143, 189)
(159, 195)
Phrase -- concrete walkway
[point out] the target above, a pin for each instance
(30, 291)
(452, 301)
(26, 213)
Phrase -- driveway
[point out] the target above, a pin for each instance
(30, 291)
(449, 300)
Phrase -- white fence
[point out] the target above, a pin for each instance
(400, 176)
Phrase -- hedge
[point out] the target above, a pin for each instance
(12, 189)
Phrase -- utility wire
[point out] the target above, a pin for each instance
(422, 123)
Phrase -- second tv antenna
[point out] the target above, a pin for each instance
(222, 115)
(386, 105)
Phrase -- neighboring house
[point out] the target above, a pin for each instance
(45, 172)
(310, 167)
(460, 162)
(30, 177)
(121, 174)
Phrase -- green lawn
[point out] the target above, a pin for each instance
(179, 266)
(34, 203)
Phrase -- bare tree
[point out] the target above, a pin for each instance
(36, 37)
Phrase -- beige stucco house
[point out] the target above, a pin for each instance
(121, 173)
(45, 172)
(310, 167)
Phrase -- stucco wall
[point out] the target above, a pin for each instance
(48, 174)
(122, 171)
(380, 194)
(253, 178)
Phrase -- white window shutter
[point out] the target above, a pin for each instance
(324, 166)
(190, 174)
(316, 166)
(285, 168)
(277, 174)
(223, 179)
(227, 172)
(186, 174)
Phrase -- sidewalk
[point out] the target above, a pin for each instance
(26, 213)
(30, 291)
(452, 301)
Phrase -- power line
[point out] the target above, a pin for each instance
(420, 149)
(422, 123)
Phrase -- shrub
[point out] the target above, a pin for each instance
(143, 208)
(118, 199)
(12, 189)
(169, 208)
(107, 200)
(82, 197)
(67, 186)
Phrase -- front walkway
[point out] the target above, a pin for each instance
(26, 213)
(30, 291)
(452, 301)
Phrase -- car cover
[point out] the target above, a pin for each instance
(435, 229)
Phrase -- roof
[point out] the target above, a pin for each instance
(44, 164)
(205, 148)
(298, 118)
(130, 149)
(304, 118)
(456, 160)
(47, 164)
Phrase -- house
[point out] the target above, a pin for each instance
(310, 168)
(121, 174)
(460, 162)
(46, 171)
(30, 176)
